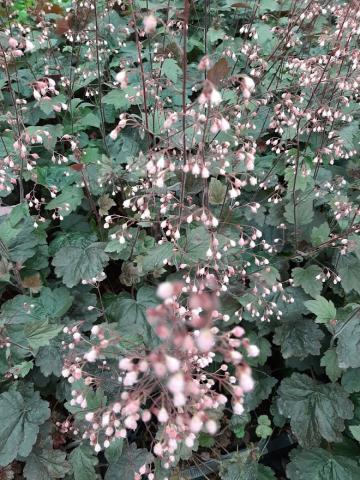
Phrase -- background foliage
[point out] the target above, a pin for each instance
(67, 259)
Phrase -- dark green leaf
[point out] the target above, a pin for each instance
(262, 390)
(40, 332)
(45, 464)
(348, 345)
(132, 458)
(330, 362)
(349, 271)
(298, 338)
(49, 360)
(351, 380)
(320, 464)
(20, 418)
(315, 410)
(83, 461)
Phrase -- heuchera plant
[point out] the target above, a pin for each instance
(180, 259)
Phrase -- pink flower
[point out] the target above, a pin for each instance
(13, 43)
(176, 383)
(163, 415)
(150, 23)
(253, 351)
(205, 340)
(91, 356)
(196, 424)
(165, 290)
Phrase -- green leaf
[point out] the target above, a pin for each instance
(118, 98)
(264, 346)
(348, 343)
(131, 314)
(171, 69)
(40, 332)
(349, 271)
(105, 203)
(351, 380)
(132, 458)
(217, 191)
(195, 245)
(114, 450)
(215, 35)
(301, 180)
(261, 391)
(320, 234)
(67, 201)
(156, 257)
(349, 135)
(22, 369)
(355, 430)
(315, 410)
(206, 440)
(83, 461)
(263, 430)
(265, 473)
(299, 337)
(20, 418)
(44, 464)
(49, 305)
(324, 310)
(320, 464)
(17, 235)
(49, 361)
(49, 141)
(241, 465)
(304, 211)
(306, 279)
(330, 362)
(238, 424)
(86, 121)
(74, 264)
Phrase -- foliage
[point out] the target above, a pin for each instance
(179, 248)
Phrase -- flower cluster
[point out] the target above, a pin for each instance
(182, 384)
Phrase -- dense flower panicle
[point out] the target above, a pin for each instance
(175, 385)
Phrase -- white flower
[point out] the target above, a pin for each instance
(37, 95)
(211, 427)
(224, 124)
(29, 46)
(114, 134)
(238, 408)
(121, 76)
(89, 416)
(248, 83)
(215, 97)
